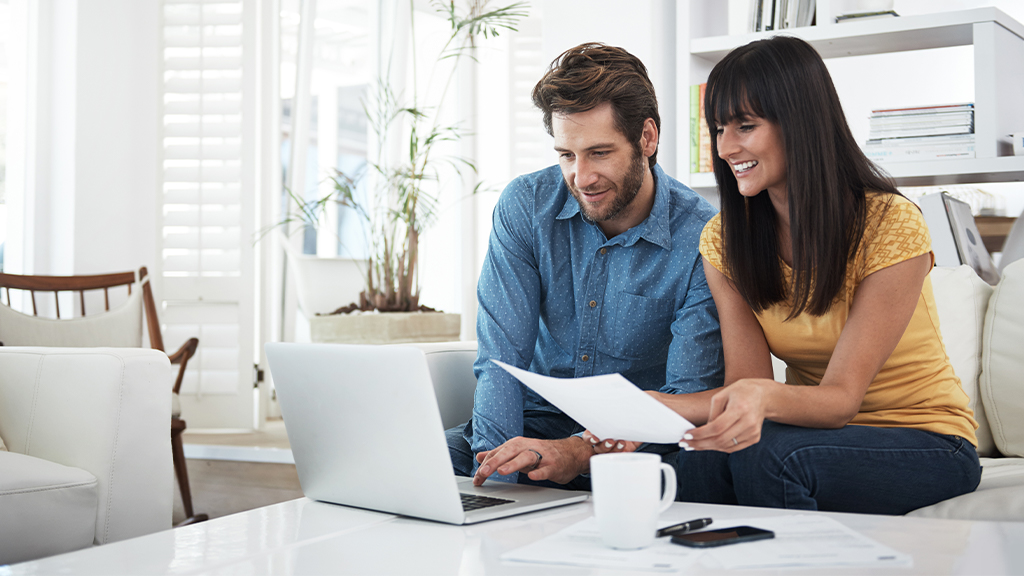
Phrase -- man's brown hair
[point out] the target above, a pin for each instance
(584, 77)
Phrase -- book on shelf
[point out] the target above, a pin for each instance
(918, 120)
(922, 131)
(854, 16)
(695, 119)
(955, 236)
(969, 106)
(767, 15)
(704, 135)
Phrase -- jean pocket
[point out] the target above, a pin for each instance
(640, 326)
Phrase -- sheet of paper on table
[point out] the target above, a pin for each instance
(800, 541)
(805, 541)
(608, 405)
(580, 545)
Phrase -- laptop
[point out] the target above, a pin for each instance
(365, 431)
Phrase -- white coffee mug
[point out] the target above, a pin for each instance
(627, 491)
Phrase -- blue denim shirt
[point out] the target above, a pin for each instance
(559, 298)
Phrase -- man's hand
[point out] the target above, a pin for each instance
(557, 460)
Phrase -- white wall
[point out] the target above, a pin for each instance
(96, 128)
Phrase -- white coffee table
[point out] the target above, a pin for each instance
(307, 537)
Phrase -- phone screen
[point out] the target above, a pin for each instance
(722, 536)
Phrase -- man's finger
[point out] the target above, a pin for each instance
(525, 460)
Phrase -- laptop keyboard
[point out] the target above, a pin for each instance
(474, 502)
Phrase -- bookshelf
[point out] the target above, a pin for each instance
(998, 42)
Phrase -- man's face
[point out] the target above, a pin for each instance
(602, 169)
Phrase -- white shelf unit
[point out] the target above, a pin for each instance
(998, 42)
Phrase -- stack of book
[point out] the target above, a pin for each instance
(923, 133)
(700, 135)
(768, 15)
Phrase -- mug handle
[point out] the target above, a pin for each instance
(669, 473)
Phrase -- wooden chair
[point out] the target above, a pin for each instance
(73, 334)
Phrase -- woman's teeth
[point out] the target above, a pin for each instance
(743, 167)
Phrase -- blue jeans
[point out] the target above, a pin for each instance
(536, 424)
(863, 469)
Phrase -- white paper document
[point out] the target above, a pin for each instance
(805, 541)
(580, 545)
(801, 541)
(608, 405)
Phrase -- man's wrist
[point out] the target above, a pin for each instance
(582, 453)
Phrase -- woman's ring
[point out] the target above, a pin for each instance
(734, 443)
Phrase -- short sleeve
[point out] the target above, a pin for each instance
(711, 243)
(895, 231)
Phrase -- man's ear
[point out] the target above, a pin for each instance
(649, 138)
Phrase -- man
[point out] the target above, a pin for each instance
(592, 268)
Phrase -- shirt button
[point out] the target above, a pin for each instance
(604, 251)
(593, 303)
(584, 357)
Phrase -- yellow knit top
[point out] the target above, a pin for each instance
(916, 387)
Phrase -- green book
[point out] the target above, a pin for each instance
(694, 128)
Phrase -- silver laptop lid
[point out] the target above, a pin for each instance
(346, 409)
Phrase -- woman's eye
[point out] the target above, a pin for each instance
(747, 127)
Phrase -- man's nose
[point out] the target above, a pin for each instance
(585, 174)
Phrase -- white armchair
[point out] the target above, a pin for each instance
(89, 459)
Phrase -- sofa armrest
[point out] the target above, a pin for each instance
(104, 410)
(451, 370)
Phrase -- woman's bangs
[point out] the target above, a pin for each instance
(730, 100)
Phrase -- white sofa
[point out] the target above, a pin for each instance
(983, 330)
(89, 458)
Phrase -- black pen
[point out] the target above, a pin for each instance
(684, 527)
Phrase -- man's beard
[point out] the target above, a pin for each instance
(625, 192)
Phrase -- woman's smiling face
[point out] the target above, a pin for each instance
(754, 149)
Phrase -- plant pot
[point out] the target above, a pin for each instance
(385, 328)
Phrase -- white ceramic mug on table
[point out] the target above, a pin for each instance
(627, 492)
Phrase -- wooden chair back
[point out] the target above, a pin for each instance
(43, 286)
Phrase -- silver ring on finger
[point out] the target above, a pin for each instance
(539, 457)
(734, 442)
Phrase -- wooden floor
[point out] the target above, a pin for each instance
(223, 487)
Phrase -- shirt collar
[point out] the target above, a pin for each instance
(655, 228)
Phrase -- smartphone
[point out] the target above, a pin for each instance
(722, 536)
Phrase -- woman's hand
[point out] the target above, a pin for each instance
(608, 445)
(735, 419)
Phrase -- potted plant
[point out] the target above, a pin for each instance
(402, 204)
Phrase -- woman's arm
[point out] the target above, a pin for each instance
(882, 307)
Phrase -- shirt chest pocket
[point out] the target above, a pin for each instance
(639, 326)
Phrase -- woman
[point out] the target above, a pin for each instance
(816, 258)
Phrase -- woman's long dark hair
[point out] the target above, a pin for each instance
(784, 81)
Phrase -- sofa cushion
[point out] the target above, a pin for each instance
(1002, 362)
(961, 299)
(999, 497)
(45, 508)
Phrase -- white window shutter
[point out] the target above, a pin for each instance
(206, 273)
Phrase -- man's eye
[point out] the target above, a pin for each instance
(601, 153)
(566, 155)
